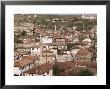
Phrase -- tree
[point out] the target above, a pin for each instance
(85, 72)
(23, 33)
(81, 38)
(37, 40)
(17, 36)
(93, 50)
(73, 74)
(57, 70)
(70, 46)
(59, 52)
(16, 40)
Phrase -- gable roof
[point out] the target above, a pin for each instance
(83, 52)
(25, 60)
(40, 69)
(44, 68)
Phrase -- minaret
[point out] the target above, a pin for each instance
(40, 46)
(33, 31)
(83, 23)
(55, 28)
(83, 27)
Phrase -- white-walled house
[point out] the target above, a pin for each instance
(59, 40)
(64, 58)
(75, 39)
(23, 50)
(47, 57)
(26, 63)
(46, 39)
(45, 69)
(35, 50)
(54, 51)
(61, 46)
(86, 43)
(17, 68)
(74, 52)
(53, 46)
(87, 40)
(68, 57)
(89, 17)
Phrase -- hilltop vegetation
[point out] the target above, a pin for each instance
(62, 22)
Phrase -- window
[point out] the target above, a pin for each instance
(32, 48)
(22, 68)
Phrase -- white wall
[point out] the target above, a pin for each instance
(35, 51)
(46, 40)
(17, 71)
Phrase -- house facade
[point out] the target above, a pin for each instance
(41, 70)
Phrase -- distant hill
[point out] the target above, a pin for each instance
(62, 21)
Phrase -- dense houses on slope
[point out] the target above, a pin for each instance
(40, 49)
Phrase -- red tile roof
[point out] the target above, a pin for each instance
(65, 65)
(17, 64)
(44, 68)
(40, 69)
(25, 60)
(83, 52)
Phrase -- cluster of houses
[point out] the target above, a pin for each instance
(41, 49)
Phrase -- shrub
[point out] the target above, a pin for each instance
(85, 72)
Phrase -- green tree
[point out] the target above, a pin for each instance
(23, 33)
(73, 74)
(93, 50)
(57, 70)
(16, 40)
(85, 72)
(70, 46)
(81, 38)
(17, 36)
(59, 52)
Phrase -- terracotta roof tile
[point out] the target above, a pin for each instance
(44, 68)
(40, 69)
(17, 64)
(83, 52)
(25, 60)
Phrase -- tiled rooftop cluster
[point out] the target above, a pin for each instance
(42, 41)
